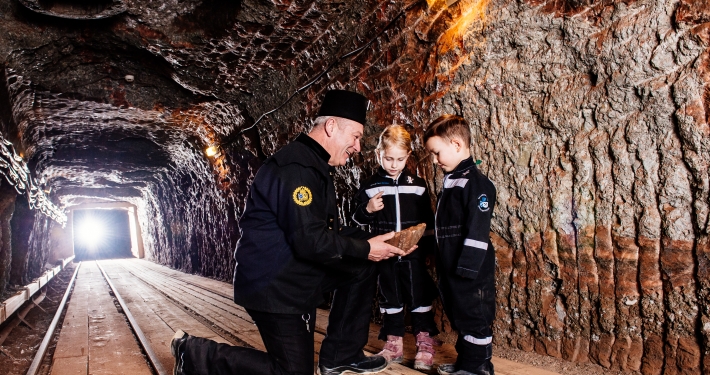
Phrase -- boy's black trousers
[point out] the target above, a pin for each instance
(470, 306)
(289, 345)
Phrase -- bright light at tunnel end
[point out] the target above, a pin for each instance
(91, 232)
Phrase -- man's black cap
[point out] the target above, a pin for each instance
(346, 104)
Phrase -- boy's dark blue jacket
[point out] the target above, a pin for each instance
(290, 234)
(406, 201)
(463, 223)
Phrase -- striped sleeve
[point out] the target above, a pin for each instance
(476, 231)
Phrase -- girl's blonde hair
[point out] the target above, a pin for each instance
(394, 135)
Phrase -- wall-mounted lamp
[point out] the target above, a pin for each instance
(129, 78)
(212, 151)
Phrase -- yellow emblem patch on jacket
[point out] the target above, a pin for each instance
(302, 196)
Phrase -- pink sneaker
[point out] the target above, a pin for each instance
(393, 350)
(425, 351)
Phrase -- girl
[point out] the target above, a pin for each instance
(393, 200)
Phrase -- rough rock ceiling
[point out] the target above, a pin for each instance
(200, 72)
(591, 117)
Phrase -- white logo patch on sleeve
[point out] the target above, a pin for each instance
(483, 203)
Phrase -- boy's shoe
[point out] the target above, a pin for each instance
(446, 369)
(393, 350)
(367, 365)
(425, 351)
(486, 368)
(177, 346)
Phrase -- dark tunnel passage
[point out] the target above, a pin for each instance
(590, 117)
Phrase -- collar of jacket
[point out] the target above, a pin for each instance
(382, 173)
(465, 164)
(305, 151)
(317, 148)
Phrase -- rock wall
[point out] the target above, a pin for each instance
(7, 206)
(27, 258)
(592, 123)
(188, 223)
(591, 119)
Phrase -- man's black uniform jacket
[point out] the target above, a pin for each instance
(291, 239)
(463, 223)
(406, 201)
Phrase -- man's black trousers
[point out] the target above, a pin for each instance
(289, 345)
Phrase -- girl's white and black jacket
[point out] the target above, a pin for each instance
(407, 203)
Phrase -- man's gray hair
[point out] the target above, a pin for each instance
(320, 120)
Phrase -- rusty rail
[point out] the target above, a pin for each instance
(53, 326)
(142, 340)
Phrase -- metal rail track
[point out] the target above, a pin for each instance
(142, 340)
(53, 326)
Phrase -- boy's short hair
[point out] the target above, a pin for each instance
(448, 127)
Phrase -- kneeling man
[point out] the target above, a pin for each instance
(293, 250)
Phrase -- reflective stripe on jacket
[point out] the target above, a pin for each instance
(406, 203)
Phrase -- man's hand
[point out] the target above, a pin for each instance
(375, 203)
(379, 250)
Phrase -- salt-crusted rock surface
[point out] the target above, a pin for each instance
(591, 117)
(593, 125)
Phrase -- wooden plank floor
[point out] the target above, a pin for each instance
(200, 295)
(160, 296)
(95, 337)
(157, 316)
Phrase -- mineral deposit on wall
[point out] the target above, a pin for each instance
(592, 122)
(591, 117)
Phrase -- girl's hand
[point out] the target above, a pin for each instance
(375, 203)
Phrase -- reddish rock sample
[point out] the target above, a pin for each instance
(407, 238)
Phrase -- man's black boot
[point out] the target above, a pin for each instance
(177, 347)
(367, 365)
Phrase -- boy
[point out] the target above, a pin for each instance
(465, 260)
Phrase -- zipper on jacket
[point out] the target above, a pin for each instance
(436, 214)
(398, 228)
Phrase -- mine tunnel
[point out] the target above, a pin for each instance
(131, 133)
